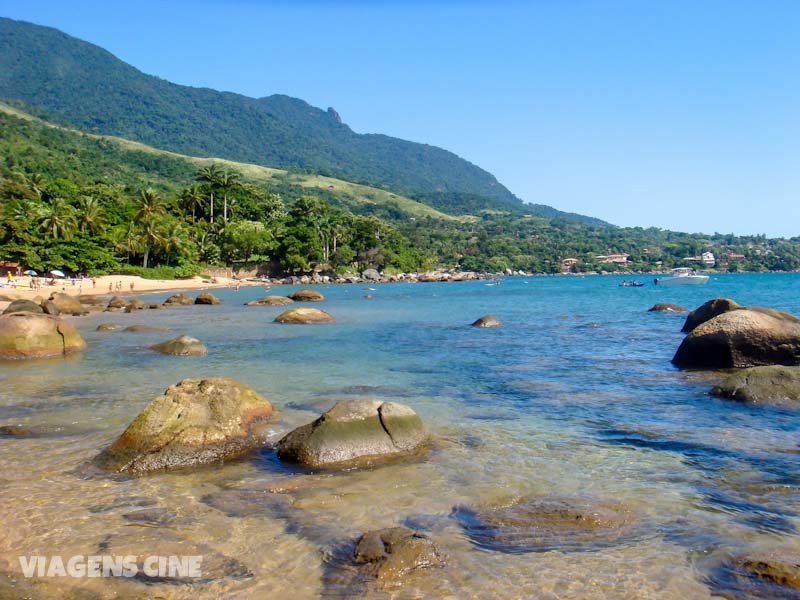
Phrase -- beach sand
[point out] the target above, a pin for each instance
(140, 286)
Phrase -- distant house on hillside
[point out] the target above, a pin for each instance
(707, 258)
(617, 259)
(568, 265)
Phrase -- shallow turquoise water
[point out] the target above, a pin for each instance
(575, 394)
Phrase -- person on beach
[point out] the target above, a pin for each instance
(110, 287)
(131, 287)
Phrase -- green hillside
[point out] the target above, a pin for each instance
(95, 203)
(88, 87)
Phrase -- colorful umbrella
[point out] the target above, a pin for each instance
(31, 272)
(57, 273)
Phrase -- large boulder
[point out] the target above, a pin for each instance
(68, 305)
(740, 338)
(135, 304)
(270, 301)
(93, 300)
(206, 298)
(23, 305)
(666, 307)
(179, 298)
(31, 335)
(391, 554)
(304, 316)
(707, 311)
(116, 303)
(49, 308)
(355, 431)
(195, 422)
(761, 384)
(718, 306)
(183, 345)
(487, 321)
(371, 275)
(306, 296)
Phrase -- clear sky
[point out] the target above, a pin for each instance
(676, 114)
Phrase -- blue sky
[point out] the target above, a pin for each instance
(682, 115)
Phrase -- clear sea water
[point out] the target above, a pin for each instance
(573, 396)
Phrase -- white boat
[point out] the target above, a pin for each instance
(682, 276)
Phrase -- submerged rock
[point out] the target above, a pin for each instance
(23, 305)
(741, 338)
(768, 577)
(487, 321)
(306, 296)
(355, 431)
(541, 524)
(391, 554)
(761, 384)
(195, 422)
(666, 307)
(108, 327)
(304, 316)
(179, 298)
(206, 298)
(31, 335)
(67, 304)
(183, 345)
(270, 301)
(138, 328)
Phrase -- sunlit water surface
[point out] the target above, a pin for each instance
(574, 395)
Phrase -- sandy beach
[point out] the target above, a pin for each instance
(100, 286)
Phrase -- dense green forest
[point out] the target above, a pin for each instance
(86, 86)
(90, 204)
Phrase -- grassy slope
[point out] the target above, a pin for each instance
(356, 193)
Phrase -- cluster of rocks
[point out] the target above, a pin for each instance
(761, 344)
(374, 276)
(204, 421)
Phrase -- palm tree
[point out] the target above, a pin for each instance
(129, 241)
(92, 215)
(192, 199)
(175, 239)
(210, 175)
(227, 181)
(57, 218)
(151, 235)
(149, 204)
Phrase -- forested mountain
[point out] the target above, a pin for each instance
(83, 202)
(86, 86)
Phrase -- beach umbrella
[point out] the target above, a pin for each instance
(57, 273)
(31, 272)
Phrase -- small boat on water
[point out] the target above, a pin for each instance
(682, 276)
(631, 283)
